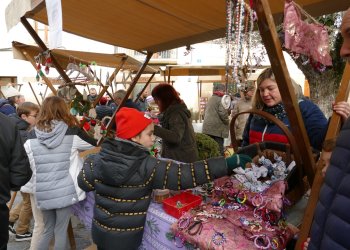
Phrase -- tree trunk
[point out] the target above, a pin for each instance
(323, 86)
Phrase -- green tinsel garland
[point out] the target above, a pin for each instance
(80, 105)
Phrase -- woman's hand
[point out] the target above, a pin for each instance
(342, 109)
(306, 244)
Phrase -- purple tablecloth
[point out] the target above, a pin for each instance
(157, 225)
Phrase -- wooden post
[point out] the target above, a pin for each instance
(332, 132)
(270, 38)
(70, 232)
(42, 45)
(143, 89)
(169, 74)
(36, 98)
(139, 73)
(45, 92)
(109, 81)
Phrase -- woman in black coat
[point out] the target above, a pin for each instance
(176, 129)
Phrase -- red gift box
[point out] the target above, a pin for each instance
(181, 203)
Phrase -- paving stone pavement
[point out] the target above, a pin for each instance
(81, 234)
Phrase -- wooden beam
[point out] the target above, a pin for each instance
(270, 39)
(110, 80)
(36, 98)
(332, 132)
(130, 89)
(169, 74)
(143, 89)
(42, 45)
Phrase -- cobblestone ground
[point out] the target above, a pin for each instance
(81, 235)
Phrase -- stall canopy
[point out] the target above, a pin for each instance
(198, 70)
(71, 56)
(151, 25)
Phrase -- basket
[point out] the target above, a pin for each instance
(181, 203)
(288, 152)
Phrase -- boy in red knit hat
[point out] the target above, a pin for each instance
(124, 174)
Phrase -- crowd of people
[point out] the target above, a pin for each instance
(40, 158)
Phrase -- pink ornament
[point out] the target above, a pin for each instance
(310, 39)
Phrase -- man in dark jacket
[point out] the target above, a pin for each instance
(14, 170)
(119, 96)
(103, 109)
(331, 225)
(142, 102)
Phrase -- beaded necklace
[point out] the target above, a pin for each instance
(239, 26)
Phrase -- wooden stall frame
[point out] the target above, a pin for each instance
(332, 132)
(144, 88)
(36, 98)
(128, 92)
(269, 36)
(273, 46)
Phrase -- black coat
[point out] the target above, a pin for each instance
(331, 225)
(124, 175)
(22, 126)
(14, 165)
(178, 138)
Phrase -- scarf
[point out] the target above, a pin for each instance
(278, 111)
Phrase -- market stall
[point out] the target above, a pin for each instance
(156, 26)
(74, 61)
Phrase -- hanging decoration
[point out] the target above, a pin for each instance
(306, 37)
(48, 62)
(39, 73)
(239, 26)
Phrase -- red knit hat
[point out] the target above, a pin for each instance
(103, 100)
(130, 122)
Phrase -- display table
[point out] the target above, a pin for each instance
(157, 225)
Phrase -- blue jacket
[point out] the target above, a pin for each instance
(258, 130)
(129, 104)
(331, 226)
(6, 108)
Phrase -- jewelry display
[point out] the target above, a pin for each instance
(218, 238)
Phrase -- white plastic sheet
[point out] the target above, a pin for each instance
(54, 14)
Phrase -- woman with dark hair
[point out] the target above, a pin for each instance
(176, 129)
